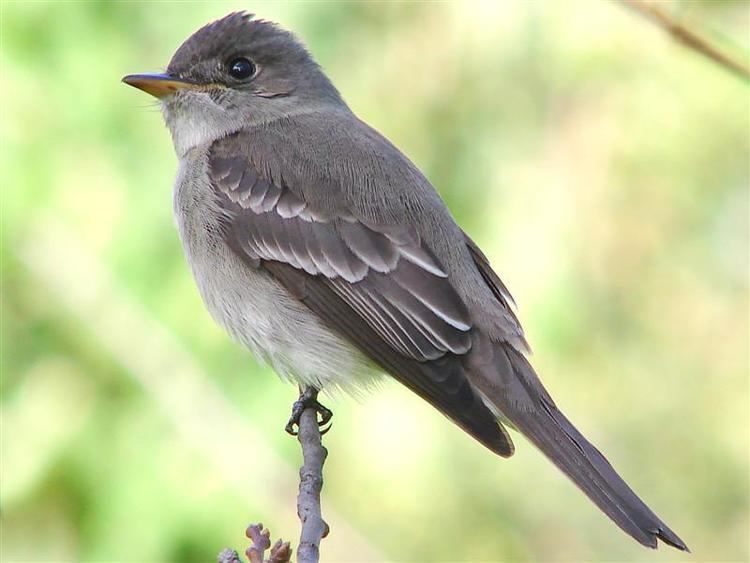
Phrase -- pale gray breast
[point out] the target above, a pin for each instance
(251, 305)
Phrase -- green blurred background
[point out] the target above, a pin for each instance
(601, 166)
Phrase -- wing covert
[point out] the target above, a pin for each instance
(385, 274)
(377, 285)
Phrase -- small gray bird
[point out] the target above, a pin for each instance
(318, 245)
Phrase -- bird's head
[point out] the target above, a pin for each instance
(234, 72)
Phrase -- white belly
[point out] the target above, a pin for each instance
(252, 306)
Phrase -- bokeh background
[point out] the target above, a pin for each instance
(601, 166)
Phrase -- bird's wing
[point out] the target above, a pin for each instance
(377, 285)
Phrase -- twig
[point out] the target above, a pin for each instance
(687, 36)
(228, 556)
(314, 528)
(281, 552)
(261, 542)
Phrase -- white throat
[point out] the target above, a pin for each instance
(196, 126)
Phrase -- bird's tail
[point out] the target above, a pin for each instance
(520, 399)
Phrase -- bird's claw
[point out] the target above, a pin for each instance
(308, 399)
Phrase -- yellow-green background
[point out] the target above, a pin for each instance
(602, 167)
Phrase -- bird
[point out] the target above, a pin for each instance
(318, 245)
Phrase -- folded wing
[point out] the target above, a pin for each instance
(379, 286)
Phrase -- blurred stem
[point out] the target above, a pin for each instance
(314, 528)
(687, 36)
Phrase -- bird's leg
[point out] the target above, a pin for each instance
(308, 398)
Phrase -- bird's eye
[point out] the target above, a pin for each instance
(241, 68)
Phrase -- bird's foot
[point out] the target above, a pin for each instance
(308, 399)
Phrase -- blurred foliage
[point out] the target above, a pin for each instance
(602, 167)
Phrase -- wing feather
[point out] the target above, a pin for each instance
(378, 285)
(389, 277)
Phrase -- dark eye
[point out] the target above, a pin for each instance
(241, 68)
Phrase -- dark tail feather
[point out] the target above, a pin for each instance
(521, 398)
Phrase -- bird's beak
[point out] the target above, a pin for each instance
(159, 85)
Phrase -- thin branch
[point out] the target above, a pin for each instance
(687, 36)
(314, 528)
(281, 552)
(228, 556)
(261, 539)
